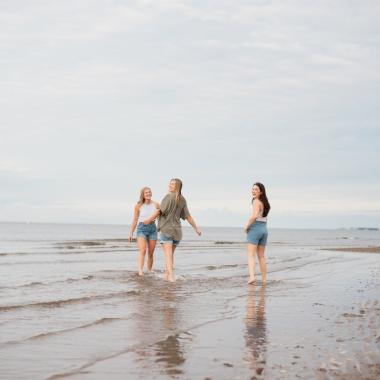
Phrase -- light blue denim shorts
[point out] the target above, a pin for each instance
(147, 231)
(166, 239)
(257, 234)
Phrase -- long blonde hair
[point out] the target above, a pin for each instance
(177, 189)
(142, 198)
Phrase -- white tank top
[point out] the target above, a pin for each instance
(146, 211)
(261, 219)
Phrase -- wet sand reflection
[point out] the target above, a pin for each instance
(255, 334)
(169, 350)
(158, 324)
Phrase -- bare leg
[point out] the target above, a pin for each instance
(169, 255)
(141, 242)
(171, 278)
(251, 253)
(262, 264)
(167, 247)
(151, 247)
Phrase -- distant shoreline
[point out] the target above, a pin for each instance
(185, 226)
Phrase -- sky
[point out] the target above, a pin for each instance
(99, 98)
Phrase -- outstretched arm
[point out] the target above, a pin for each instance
(194, 225)
(154, 215)
(255, 214)
(152, 218)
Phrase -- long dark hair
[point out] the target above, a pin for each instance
(263, 198)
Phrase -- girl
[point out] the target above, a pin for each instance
(173, 208)
(146, 228)
(257, 233)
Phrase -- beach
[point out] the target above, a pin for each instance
(73, 307)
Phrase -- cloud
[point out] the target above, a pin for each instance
(101, 97)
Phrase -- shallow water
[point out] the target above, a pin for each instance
(71, 305)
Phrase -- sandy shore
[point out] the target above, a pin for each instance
(311, 323)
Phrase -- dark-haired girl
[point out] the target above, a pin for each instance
(257, 233)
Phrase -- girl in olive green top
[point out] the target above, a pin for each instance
(173, 208)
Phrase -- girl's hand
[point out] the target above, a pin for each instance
(246, 228)
(198, 231)
(130, 239)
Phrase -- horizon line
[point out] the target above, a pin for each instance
(185, 226)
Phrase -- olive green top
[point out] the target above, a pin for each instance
(169, 222)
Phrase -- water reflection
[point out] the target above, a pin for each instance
(169, 350)
(255, 334)
(157, 326)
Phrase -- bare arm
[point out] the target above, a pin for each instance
(194, 225)
(255, 214)
(154, 215)
(134, 222)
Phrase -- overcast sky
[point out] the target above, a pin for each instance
(99, 98)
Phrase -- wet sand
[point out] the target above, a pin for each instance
(355, 249)
(307, 326)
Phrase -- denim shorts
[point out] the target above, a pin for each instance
(147, 231)
(166, 239)
(257, 233)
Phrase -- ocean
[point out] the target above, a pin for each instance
(72, 305)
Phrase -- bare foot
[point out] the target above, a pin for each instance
(263, 281)
(171, 279)
(251, 281)
(141, 273)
